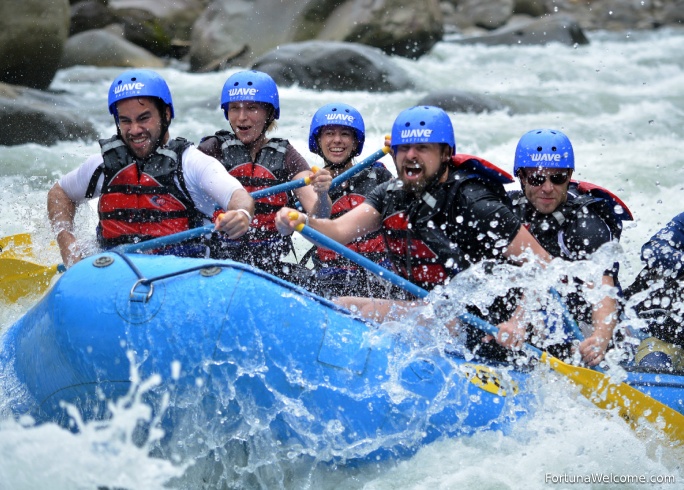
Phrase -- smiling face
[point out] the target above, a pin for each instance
(140, 125)
(337, 143)
(548, 196)
(248, 120)
(418, 164)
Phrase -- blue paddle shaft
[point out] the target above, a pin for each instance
(568, 320)
(319, 238)
(348, 174)
(166, 240)
(277, 189)
(296, 184)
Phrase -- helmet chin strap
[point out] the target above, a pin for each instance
(440, 172)
(262, 135)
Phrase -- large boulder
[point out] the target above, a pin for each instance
(407, 28)
(32, 36)
(453, 100)
(237, 32)
(355, 67)
(163, 27)
(33, 116)
(101, 47)
(673, 13)
(555, 28)
(491, 14)
(611, 14)
(90, 14)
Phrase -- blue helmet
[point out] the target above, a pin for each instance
(544, 148)
(138, 83)
(423, 124)
(250, 85)
(337, 114)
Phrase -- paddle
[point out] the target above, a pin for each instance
(296, 184)
(568, 320)
(632, 405)
(284, 187)
(367, 162)
(17, 274)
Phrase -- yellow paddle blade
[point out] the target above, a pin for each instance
(16, 246)
(19, 277)
(632, 404)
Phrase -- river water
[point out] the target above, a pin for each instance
(621, 102)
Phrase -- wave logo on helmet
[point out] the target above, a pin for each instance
(125, 87)
(250, 92)
(416, 133)
(339, 117)
(548, 157)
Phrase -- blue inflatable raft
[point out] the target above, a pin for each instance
(239, 355)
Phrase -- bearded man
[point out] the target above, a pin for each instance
(438, 217)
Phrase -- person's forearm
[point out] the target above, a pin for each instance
(604, 317)
(522, 242)
(322, 207)
(61, 211)
(241, 200)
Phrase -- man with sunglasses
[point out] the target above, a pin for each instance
(568, 223)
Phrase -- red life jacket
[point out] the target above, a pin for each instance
(268, 170)
(142, 199)
(423, 252)
(346, 198)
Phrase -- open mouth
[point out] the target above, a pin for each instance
(413, 170)
(337, 152)
(139, 143)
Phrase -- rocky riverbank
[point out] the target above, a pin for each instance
(39, 37)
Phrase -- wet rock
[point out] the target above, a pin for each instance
(32, 36)
(556, 28)
(100, 47)
(407, 28)
(534, 8)
(90, 14)
(462, 101)
(491, 14)
(34, 116)
(253, 28)
(355, 67)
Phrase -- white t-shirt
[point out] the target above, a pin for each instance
(206, 179)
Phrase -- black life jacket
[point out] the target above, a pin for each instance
(553, 230)
(582, 196)
(142, 199)
(345, 198)
(424, 252)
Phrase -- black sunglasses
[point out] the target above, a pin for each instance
(536, 180)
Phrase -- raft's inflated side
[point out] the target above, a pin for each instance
(258, 357)
(664, 387)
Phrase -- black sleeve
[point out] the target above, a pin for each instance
(377, 196)
(487, 219)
